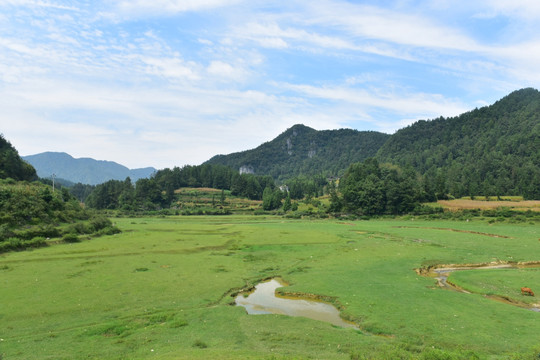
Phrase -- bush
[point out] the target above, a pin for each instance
(200, 344)
(109, 230)
(426, 210)
(99, 223)
(11, 244)
(5, 232)
(78, 228)
(71, 238)
(35, 242)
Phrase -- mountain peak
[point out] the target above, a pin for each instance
(301, 150)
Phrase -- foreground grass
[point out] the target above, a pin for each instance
(162, 288)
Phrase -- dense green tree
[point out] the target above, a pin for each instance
(272, 198)
(148, 194)
(287, 205)
(371, 189)
(494, 150)
(11, 164)
(81, 191)
(106, 195)
(126, 199)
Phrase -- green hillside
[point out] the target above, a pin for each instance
(302, 150)
(33, 214)
(11, 164)
(491, 151)
(494, 150)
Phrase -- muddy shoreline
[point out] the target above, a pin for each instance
(441, 273)
(264, 298)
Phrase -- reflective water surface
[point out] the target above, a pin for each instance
(264, 301)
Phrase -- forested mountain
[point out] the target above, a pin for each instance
(83, 170)
(11, 164)
(494, 150)
(302, 150)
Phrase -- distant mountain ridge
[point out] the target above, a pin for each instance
(83, 170)
(302, 150)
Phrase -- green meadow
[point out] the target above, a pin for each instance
(163, 288)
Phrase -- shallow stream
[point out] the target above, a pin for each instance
(442, 274)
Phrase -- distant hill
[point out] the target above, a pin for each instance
(83, 170)
(494, 150)
(302, 150)
(11, 164)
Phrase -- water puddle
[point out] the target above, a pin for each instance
(263, 300)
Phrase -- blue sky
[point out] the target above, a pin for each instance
(167, 83)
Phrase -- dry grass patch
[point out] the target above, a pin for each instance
(461, 204)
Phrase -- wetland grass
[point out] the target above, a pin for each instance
(93, 300)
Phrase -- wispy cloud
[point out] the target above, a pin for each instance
(144, 8)
(172, 82)
(365, 22)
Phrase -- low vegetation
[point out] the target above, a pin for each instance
(33, 215)
(163, 289)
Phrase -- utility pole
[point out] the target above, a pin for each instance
(53, 177)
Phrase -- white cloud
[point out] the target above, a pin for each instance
(224, 70)
(37, 3)
(522, 9)
(403, 104)
(272, 42)
(172, 68)
(168, 7)
(272, 35)
(165, 93)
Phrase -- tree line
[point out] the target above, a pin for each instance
(366, 188)
(158, 192)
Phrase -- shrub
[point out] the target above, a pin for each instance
(109, 230)
(71, 238)
(11, 244)
(200, 344)
(5, 232)
(99, 223)
(78, 228)
(35, 242)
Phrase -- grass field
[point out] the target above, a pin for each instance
(162, 290)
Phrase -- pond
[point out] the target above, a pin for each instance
(263, 300)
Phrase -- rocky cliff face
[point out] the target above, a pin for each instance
(302, 150)
(246, 169)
